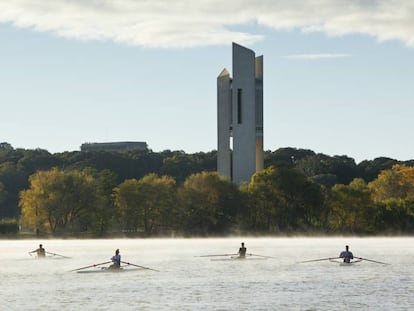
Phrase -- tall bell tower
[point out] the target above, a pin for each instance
(240, 117)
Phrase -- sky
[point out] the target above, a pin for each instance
(338, 74)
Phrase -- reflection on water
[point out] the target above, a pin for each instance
(186, 282)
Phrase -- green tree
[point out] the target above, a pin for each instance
(13, 179)
(57, 201)
(264, 201)
(3, 193)
(179, 165)
(146, 203)
(209, 203)
(393, 192)
(283, 199)
(351, 208)
(343, 167)
(35, 160)
(397, 183)
(6, 146)
(369, 170)
(105, 213)
(397, 215)
(286, 157)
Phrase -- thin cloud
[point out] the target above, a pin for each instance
(316, 56)
(189, 23)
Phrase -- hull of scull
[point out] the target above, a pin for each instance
(106, 270)
(348, 264)
(237, 259)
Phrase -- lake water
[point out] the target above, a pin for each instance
(186, 282)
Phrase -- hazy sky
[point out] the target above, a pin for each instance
(338, 75)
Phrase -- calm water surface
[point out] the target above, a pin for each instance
(186, 282)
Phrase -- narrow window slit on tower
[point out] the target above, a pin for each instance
(239, 106)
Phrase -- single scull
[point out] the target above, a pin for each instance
(107, 270)
(238, 258)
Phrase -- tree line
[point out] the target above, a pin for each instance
(146, 193)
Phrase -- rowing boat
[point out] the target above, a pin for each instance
(238, 258)
(342, 263)
(107, 270)
(48, 257)
(98, 268)
(346, 264)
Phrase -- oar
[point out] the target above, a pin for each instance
(57, 255)
(382, 263)
(321, 259)
(128, 263)
(261, 256)
(217, 255)
(95, 265)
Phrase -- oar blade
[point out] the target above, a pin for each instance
(375, 261)
(264, 256)
(54, 254)
(135, 265)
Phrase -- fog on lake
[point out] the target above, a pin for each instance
(188, 282)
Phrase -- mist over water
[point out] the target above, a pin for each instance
(186, 282)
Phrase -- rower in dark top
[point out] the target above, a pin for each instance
(116, 259)
(242, 251)
(41, 252)
(346, 255)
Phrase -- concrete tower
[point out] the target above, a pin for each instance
(240, 117)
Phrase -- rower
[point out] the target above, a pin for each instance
(116, 259)
(41, 252)
(346, 255)
(242, 250)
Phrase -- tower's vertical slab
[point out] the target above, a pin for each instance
(259, 114)
(224, 124)
(244, 113)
